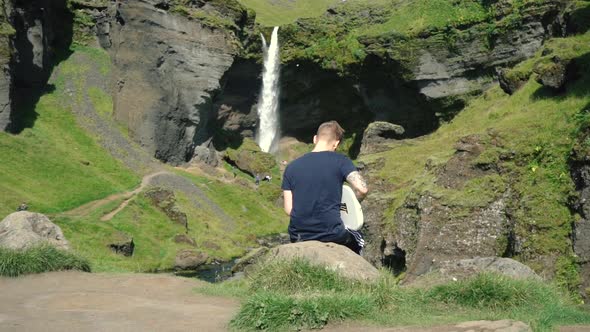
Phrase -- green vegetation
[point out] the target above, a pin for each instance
(281, 12)
(282, 296)
(528, 137)
(55, 165)
(44, 258)
(245, 216)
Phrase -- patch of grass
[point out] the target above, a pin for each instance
(272, 300)
(280, 12)
(43, 258)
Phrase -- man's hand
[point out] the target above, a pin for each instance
(358, 184)
(287, 201)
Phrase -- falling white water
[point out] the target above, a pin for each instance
(268, 104)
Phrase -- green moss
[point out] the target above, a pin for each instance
(251, 159)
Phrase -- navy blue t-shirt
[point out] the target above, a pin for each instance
(316, 179)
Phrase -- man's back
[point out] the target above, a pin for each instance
(316, 181)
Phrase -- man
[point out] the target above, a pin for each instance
(312, 188)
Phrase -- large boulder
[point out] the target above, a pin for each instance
(21, 230)
(250, 159)
(333, 256)
(380, 132)
(553, 74)
(189, 259)
(447, 271)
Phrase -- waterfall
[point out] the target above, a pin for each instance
(268, 103)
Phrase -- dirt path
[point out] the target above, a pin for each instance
(127, 196)
(163, 179)
(75, 301)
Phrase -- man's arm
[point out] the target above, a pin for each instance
(358, 184)
(287, 201)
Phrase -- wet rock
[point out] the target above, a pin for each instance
(189, 259)
(331, 255)
(183, 238)
(21, 230)
(249, 259)
(122, 244)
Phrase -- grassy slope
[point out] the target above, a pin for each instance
(153, 233)
(55, 165)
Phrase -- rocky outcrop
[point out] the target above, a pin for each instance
(332, 256)
(379, 132)
(580, 172)
(443, 222)
(165, 201)
(464, 63)
(175, 64)
(189, 259)
(21, 230)
(33, 33)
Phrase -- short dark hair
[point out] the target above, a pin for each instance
(330, 130)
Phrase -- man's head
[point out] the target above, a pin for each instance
(329, 135)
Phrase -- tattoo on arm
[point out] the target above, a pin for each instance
(358, 184)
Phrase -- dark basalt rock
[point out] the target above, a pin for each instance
(379, 132)
(554, 74)
(510, 82)
(122, 244)
(43, 28)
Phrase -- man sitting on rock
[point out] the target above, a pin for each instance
(312, 186)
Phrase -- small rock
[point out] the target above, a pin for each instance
(189, 259)
(183, 238)
(122, 244)
(24, 229)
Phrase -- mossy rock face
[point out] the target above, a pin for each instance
(250, 159)
(512, 80)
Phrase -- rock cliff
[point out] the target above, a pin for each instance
(32, 35)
